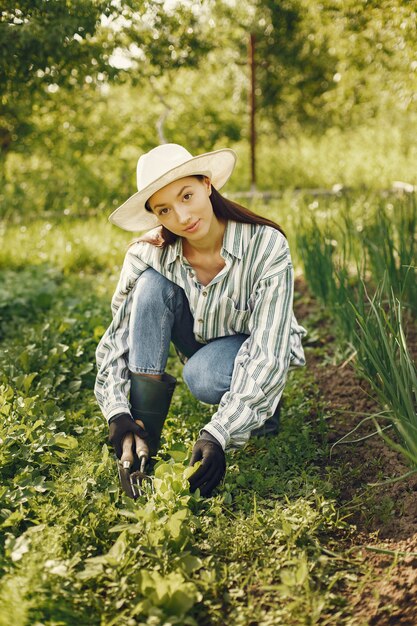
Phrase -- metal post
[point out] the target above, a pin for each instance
(252, 107)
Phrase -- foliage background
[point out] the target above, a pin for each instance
(87, 86)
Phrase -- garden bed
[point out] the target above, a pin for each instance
(386, 515)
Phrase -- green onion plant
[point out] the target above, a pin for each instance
(343, 264)
(384, 360)
(390, 241)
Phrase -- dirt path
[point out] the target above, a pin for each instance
(386, 516)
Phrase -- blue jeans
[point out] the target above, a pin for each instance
(161, 314)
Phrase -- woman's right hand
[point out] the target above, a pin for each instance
(213, 466)
(119, 426)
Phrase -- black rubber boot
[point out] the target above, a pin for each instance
(150, 400)
(271, 426)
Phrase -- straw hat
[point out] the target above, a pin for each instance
(161, 166)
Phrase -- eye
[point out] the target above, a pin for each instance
(187, 196)
(163, 211)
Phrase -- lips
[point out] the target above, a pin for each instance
(192, 227)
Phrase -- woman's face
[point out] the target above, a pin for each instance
(184, 207)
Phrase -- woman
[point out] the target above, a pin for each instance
(217, 280)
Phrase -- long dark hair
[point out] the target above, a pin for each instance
(222, 207)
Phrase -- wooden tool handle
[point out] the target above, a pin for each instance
(127, 449)
(142, 449)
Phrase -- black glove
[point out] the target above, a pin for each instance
(119, 426)
(213, 466)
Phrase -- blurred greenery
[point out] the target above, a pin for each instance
(87, 86)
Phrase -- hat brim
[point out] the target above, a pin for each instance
(132, 214)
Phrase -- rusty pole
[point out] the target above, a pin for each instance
(252, 105)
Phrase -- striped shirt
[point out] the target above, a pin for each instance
(252, 294)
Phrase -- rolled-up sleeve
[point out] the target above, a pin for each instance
(112, 385)
(261, 366)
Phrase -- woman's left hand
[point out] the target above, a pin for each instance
(212, 469)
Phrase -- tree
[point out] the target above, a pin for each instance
(49, 45)
(330, 62)
(45, 46)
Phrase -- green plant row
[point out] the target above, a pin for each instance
(342, 265)
(385, 360)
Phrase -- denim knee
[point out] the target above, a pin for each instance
(152, 292)
(150, 323)
(208, 373)
(206, 383)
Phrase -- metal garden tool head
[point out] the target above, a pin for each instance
(131, 466)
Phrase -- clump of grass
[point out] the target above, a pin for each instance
(316, 249)
(373, 326)
(385, 361)
(391, 243)
(327, 271)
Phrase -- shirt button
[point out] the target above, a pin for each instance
(204, 293)
(200, 321)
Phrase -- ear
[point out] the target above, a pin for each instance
(207, 183)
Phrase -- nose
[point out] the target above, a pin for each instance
(183, 215)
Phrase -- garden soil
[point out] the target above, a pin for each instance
(385, 516)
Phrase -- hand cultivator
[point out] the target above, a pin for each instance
(131, 466)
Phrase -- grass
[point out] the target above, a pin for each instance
(372, 326)
(89, 167)
(271, 547)
(391, 244)
(387, 364)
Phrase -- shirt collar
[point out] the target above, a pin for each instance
(235, 240)
(174, 251)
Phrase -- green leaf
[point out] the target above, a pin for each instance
(176, 521)
(189, 471)
(183, 600)
(190, 563)
(74, 386)
(66, 442)
(162, 469)
(178, 452)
